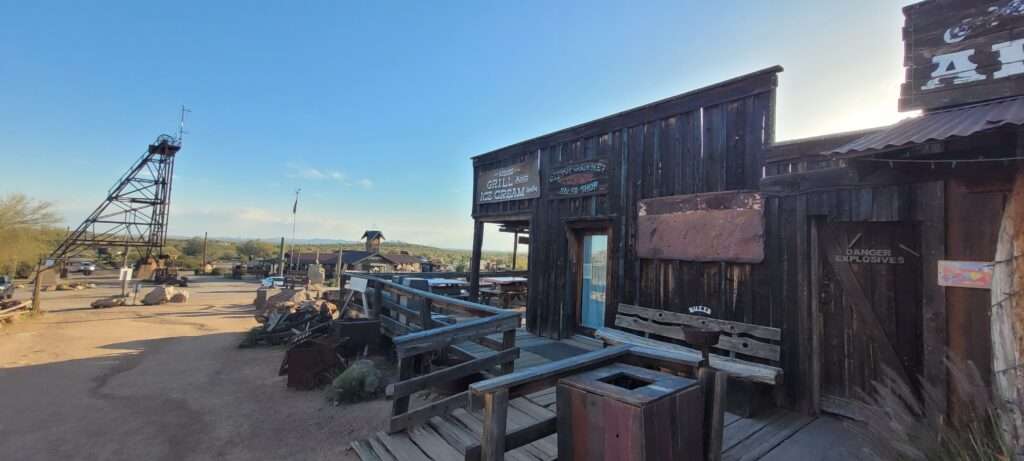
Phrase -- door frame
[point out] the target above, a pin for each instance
(575, 229)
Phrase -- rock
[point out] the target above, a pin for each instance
(360, 381)
(64, 287)
(180, 296)
(159, 295)
(90, 285)
(286, 301)
(112, 301)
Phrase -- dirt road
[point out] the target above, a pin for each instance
(160, 382)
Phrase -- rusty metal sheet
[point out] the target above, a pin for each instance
(720, 226)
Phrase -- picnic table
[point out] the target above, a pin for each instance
(507, 290)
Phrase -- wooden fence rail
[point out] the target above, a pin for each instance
(494, 394)
(423, 326)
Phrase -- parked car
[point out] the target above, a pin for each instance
(6, 287)
(273, 282)
(87, 267)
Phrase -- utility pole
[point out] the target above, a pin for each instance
(339, 269)
(280, 259)
(204, 251)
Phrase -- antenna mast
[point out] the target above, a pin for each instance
(181, 123)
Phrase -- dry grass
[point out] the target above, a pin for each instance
(902, 425)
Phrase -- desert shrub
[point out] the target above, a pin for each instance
(900, 424)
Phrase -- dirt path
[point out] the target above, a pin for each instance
(160, 382)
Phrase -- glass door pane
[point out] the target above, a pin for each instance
(595, 279)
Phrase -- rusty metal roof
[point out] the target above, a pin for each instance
(940, 125)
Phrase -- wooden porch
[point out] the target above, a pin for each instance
(774, 435)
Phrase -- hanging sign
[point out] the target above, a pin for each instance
(519, 181)
(579, 179)
(962, 51)
(965, 274)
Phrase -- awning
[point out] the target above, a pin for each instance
(940, 125)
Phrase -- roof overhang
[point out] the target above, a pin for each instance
(938, 126)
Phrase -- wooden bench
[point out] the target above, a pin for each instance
(748, 353)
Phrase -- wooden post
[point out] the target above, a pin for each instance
(405, 371)
(37, 290)
(714, 384)
(492, 441)
(474, 261)
(378, 301)
(515, 248)
(508, 341)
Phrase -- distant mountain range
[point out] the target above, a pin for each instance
(309, 241)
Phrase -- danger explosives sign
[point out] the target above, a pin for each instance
(513, 182)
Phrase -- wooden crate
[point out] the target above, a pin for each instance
(623, 412)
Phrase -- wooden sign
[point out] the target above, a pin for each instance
(513, 182)
(961, 51)
(965, 274)
(579, 179)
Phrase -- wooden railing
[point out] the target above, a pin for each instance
(494, 394)
(423, 325)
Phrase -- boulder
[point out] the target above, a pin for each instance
(179, 296)
(286, 301)
(360, 381)
(112, 301)
(159, 295)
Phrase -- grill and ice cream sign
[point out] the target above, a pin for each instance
(519, 181)
(961, 51)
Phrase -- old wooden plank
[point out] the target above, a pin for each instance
(714, 384)
(440, 338)
(433, 444)
(473, 423)
(736, 368)
(730, 327)
(379, 449)
(743, 429)
(741, 345)
(365, 451)
(768, 438)
(409, 386)
(454, 434)
(422, 414)
(520, 437)
(492, 441)
(402, 447)
(405, 371)
(536, 378)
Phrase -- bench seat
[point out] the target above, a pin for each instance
(737, 369)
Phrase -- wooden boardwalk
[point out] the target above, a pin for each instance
(776, 435)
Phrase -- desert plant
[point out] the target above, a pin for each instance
(901, 424)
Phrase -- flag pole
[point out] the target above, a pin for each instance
(295, 208)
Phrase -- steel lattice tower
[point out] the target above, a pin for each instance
(134, 214)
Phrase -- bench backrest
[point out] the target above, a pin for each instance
(738, 339)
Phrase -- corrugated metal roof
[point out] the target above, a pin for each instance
(940, 125)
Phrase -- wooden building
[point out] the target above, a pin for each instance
(874, 247)
(577, 191)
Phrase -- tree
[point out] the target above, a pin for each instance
(193, 247)
(254, 249)
(26, 230)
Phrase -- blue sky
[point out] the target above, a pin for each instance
(374, 110)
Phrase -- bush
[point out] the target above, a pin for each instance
(902, 425)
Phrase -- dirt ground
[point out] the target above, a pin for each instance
(160, 382)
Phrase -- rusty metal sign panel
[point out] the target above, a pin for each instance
(719, 226)
(519, 181)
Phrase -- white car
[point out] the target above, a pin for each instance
(273, 282)
(86, 267)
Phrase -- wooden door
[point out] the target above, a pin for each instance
(870, 308)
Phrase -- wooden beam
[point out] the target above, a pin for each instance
(412, 385)
(714, 383)
(508, 342)
(423, 414)
(492, 441)
(441, 338)
(474, 261)
(405, 371)
(519, 437)
(547, 375)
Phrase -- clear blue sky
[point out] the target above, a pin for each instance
(374, 110)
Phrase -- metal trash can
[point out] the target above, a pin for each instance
(623, 412)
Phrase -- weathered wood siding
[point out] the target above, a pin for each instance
(711, 139)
